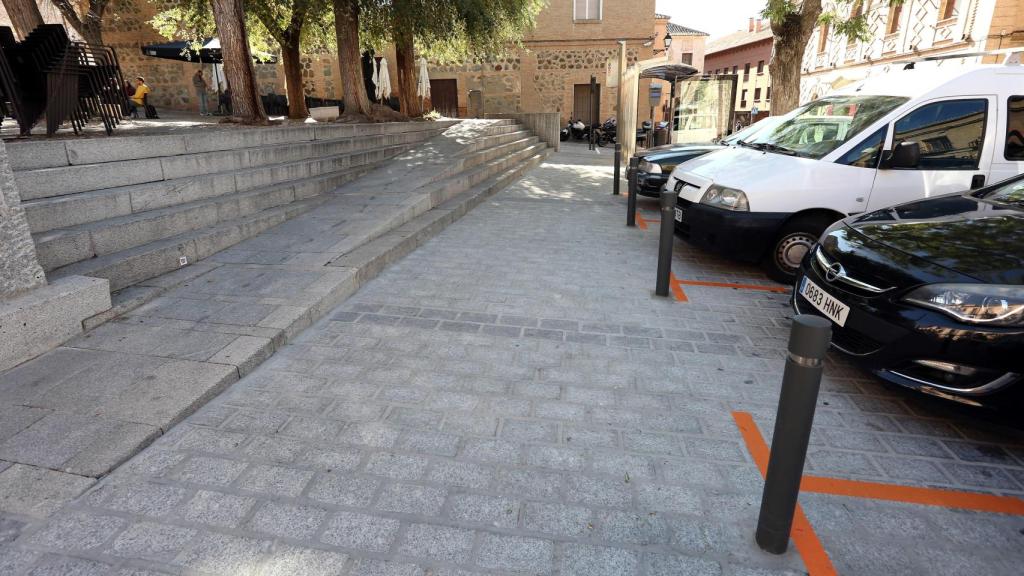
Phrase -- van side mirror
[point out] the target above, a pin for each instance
(905, 155)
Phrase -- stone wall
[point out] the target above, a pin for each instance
(19, 267)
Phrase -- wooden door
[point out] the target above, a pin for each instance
(444, 95)
(582, 107)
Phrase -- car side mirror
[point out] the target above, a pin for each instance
(905, 155)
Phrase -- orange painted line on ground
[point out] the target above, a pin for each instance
(677, 290)
(641, 221)
(878, 490)
(780, 289)
(811, 550)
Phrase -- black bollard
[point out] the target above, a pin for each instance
(618, 168)
(668, 208)
(631, 185)
(808, 342)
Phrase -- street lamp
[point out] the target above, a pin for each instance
(668, 43)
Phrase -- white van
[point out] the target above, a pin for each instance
(905, 135)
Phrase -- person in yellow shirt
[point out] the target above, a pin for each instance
(141, 89)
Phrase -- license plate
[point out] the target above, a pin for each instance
(679, 214)
(823, 302)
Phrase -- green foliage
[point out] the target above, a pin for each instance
(841, 15)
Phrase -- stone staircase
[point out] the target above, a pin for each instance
(131, 209)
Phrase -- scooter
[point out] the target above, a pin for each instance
(607, 132)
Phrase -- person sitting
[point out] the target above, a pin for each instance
(139, 98)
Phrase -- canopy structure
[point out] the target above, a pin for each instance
(629, 91)
(208, 53)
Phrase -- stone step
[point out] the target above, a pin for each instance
(495, 140)
(77, 178)
(140, 263)
(64, 246)
(33, 155)
(64, 211)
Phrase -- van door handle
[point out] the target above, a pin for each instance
(977, 181)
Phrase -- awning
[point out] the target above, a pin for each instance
(669, 72)
(208, 53)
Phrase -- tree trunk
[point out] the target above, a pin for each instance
(346, 26)
(291, 55)
(791, 36)
(24, 15)
(89, 26)
(238, 68)
(405, 62)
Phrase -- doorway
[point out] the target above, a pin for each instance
(582, 106)
(444, 95)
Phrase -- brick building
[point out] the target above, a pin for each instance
(746, 54)
(913, 30)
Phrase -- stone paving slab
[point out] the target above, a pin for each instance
(85, 407)
(510, 399)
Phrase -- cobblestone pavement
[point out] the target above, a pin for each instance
(511, 399)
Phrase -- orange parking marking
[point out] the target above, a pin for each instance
(641, 221)
(878, 490)
(677, 290)
(779, 289)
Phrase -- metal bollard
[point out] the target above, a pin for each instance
(618, 168)
(668, 208)
(808, 342)
(634, 165)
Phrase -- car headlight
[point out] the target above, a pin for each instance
(728, 198)
(649, 167)
(988, 304)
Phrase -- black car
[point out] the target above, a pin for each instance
(657, 163)
(929, 294)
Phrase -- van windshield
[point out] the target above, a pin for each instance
(823, 125)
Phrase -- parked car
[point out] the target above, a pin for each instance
(903, 136)
(929, 294)
(657, 163)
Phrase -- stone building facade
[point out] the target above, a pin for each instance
(918, 28)
(746, 54)
(572, 41)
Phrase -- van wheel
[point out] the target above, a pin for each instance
(795, 240)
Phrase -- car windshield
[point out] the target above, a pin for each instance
(823, 125)
(748, 132)
(1011, 194)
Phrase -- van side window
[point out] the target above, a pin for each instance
(951, 133)
(868, 152)
(1014, 129)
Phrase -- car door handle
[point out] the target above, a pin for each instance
(977, 181)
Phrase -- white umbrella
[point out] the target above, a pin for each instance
(382, 80)
(423, 85)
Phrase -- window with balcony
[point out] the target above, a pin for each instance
(822, 38)
(586, 10)
(757, 94)
(746, 71)
(743, 98)
(760, 67)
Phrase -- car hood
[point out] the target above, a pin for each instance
(676, 149)
(671, 156)
(957, 232)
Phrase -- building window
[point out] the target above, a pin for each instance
(760, 67)
(746, 71)
(946, 9)
(768, 94)
(757, 94)
(687, 58)
(743, 98)
(855, 12)
(893, 25)
(822, 37)
(734, 68)
(586, 10)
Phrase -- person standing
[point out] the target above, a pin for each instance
(201, 87)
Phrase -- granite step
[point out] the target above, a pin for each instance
(68, 210)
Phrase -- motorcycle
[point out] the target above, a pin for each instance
(576, 130)
(607, 132)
